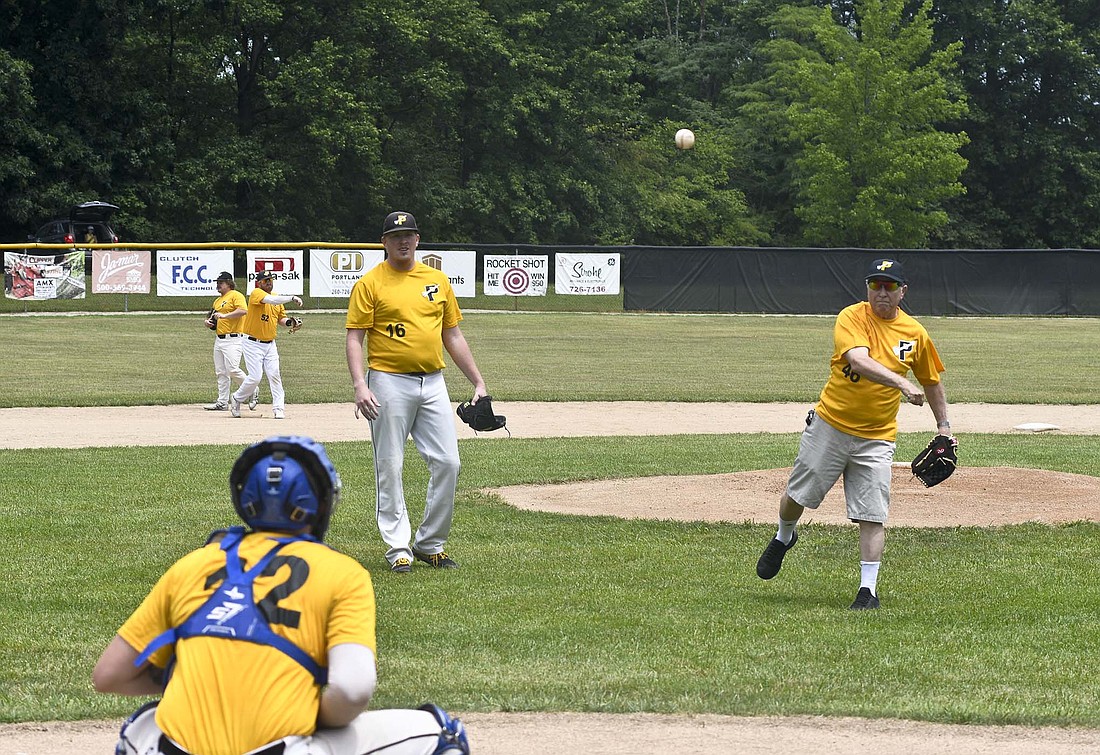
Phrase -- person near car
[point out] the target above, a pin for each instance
(228, 312)
(89, 236)
(265, 313)
(407, 313)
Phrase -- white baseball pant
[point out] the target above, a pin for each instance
(416, 405)
(227, 363)
(262, 359)
(386, 732)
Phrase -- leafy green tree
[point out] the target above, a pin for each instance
(685, 197)
(862, 102)
(18, 138)
(55, 69)
(1032, 78)
(506, 119)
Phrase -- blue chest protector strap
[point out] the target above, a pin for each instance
(231, 611)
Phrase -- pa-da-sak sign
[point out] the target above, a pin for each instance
(586, 274)
(515, 275)
(286, 267)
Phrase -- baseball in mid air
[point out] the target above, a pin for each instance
(685, 138)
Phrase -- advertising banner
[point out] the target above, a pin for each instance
(333, 272)
(586, 274)
(515, 275)
(286, 265)
(191, 273)
(44, 276)
(121, 272)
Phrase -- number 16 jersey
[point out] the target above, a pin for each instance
(403, 314)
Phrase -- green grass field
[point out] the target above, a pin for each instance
(553, 612)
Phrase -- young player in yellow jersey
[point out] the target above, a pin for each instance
(406, 313)
(852, 429)
(228, 309)
(264, 315)
(263, 641)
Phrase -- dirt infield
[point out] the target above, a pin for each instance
(728, 497)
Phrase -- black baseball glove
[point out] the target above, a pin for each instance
(294, 323)
(211, 321)
(479, 415)
(937, 461)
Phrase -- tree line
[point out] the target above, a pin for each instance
(874, 123)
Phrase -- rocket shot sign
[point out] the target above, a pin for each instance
(515, 275)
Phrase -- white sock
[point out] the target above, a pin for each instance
(868, 575)
(786, 531)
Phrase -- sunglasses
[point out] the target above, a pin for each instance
(888, 285)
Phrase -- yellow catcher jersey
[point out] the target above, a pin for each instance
(859, 406)
(262, 320)
(404, 314)
(232, 301)
(227, 696)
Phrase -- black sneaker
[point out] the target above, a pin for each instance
(401, 566)
(772, 557)
(864, 601)
(437, 560)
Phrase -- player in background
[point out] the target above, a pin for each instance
(852, 429)
(275, 660)
(228, 309)
(407, 314)
(261, 356)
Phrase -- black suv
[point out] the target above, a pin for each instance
(90, 217)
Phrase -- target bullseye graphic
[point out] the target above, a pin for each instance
(515, 281)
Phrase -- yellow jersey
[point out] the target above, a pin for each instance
(228, 696)
(404, 314)
(262, 320)
(230, 302)
(861, 407)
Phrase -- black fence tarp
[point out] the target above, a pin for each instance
(823, 281)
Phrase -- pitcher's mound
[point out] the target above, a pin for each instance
(973, 496)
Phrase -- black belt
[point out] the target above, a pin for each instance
(257, 340)
(167, 747)
(229, 335)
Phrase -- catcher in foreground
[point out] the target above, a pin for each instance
(852, 429)
(290, 673)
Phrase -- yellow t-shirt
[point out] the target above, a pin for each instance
(404, 314)
(230, 302)
(861, 407)
(230, 696)
(262, 320)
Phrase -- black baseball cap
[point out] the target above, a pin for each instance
(264, 275)
(399, 221)
(224, 276)
(888, 269)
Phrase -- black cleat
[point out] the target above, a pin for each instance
(437, 560)
(772, 557)
(864, 601)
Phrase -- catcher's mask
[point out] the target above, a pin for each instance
(285, 483)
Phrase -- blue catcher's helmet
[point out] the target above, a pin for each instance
(285, 483)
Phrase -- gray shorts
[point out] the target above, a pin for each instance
(825, 453)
